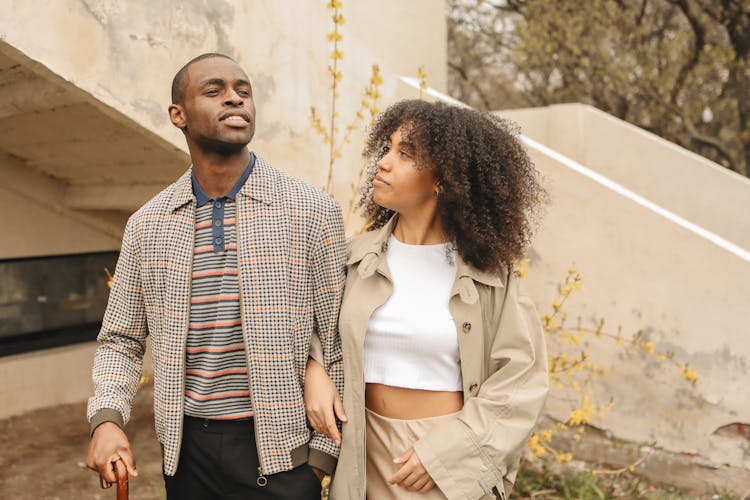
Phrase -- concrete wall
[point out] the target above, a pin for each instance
(106, 66)
(52, 376)
(683, 182)
(643, 272)
(125, 54)
(47, 227)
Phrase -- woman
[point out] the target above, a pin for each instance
(444, 355)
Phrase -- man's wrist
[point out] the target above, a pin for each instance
(322, 461)
(105, 415)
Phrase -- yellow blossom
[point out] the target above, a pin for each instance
(422, 76)
(535, 446)
(689, 375)
(582, 415)
(551, 323)
(648, 347)
(334, 36)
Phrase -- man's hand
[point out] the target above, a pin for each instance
(322, 401)
(109, 444)
(412, 475)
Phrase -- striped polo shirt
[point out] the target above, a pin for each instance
(216, 381)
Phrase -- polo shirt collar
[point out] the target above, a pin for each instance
(202, 198)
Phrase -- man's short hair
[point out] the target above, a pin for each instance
(180, 78)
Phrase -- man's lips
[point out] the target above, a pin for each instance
(235, 118)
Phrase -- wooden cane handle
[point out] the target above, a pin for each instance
(122, 482)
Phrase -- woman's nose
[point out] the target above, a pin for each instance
(383, 163)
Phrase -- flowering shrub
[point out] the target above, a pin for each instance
(572, 369)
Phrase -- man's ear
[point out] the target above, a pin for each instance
(177, 115)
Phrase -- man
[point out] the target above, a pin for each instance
(229, 270)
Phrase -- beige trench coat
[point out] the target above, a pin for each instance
(504, 369)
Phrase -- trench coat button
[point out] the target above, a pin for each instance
(466, 327)
(473, 389)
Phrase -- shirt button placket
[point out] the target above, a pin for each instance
(218, 225)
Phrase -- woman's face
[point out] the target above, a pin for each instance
(400, 184)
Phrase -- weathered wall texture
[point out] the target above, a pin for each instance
(645, 272)
(124, 54)
(84, 130)
(683, 182)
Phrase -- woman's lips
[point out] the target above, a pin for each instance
(378, 181)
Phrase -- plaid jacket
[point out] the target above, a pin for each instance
(291, 260)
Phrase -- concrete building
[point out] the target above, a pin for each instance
(658, 233)
(660, 238)
(85, 134)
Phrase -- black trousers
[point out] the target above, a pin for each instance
(219, 461)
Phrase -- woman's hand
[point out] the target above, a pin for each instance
(412, 475)
(322, 401)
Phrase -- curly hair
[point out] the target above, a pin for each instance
(489, 188)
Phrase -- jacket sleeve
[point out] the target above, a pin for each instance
(329, 274)
(118, 361)
(469, 456)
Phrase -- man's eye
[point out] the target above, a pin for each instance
(243, 92)
(211, 91)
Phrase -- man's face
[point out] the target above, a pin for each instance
(218, 112)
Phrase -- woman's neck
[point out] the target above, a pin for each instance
(420, 229)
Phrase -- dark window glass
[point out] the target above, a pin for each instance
(52, 301)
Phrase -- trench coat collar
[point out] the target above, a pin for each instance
(368, 249)
(260, 185)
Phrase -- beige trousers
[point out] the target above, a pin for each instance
(388, 438)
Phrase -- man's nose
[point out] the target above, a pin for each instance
(233, 98)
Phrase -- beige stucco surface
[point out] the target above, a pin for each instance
(84, 128)
(644, 271)
(61, 375)
(125, 54)
(683, 182)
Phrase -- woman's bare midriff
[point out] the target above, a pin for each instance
(409, 404)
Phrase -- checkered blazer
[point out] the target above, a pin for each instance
(291, 261)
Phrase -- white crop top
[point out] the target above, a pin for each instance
(411, 340)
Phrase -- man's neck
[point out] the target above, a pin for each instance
(217, 174)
